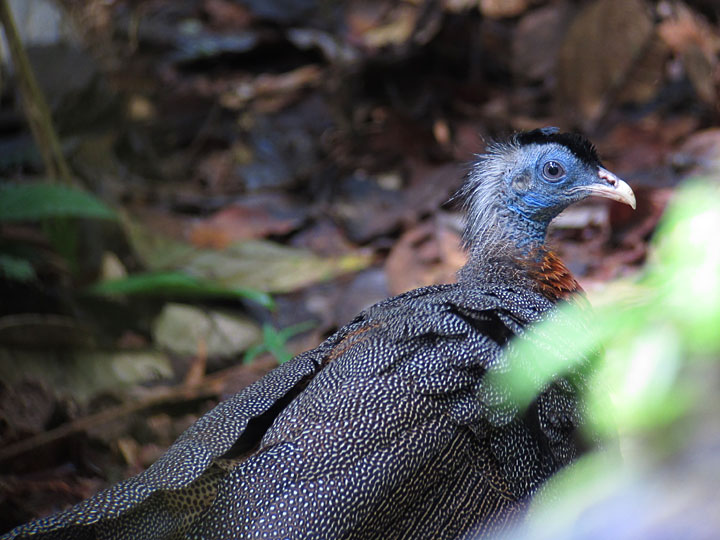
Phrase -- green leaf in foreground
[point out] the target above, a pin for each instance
(29, 202)
(177, 284)
(660, 371)
(671, 316)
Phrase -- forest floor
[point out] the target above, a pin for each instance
(297, 162)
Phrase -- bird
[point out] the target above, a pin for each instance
(391, 428)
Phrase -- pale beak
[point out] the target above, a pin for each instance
(611, 187)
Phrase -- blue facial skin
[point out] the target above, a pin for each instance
(537, 199)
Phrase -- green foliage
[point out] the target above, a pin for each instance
(177, 284)
(672, 316)
(662, 349)
(687, 271)
(53, 205)
(16, 268)
(38, 201)
(274, 342)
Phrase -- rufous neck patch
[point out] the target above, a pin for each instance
(553, 278)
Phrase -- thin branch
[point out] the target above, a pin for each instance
(209, 386)
(36, 107)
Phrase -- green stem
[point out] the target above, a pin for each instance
(36, 108)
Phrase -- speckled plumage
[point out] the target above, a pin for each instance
(388, 429)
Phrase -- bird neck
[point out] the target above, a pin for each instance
(532, 265)
(502, 228)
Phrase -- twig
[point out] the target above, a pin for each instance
(36, 108)
(103, 417)
(210, 386)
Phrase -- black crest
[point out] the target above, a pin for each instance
(576, 143)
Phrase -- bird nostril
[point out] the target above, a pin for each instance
(609, 177)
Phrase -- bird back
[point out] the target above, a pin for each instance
(390, 420)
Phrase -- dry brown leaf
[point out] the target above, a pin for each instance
(644, 145)
(426, 254)
(458, 6)
(699, 154)
(497, 9)
(26, 407)
(685, 29)
(537, 41)
(697, 44)
(188, 331)
(380, 24)
(394, 29)
(272, 87)
(129, 450)
(703, 73)
(227, 14)
(253, 218)
(599, 59)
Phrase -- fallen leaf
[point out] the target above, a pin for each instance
(498, 9)
(334, 49)
(600, 56)
(693, 39)
(84, 374)
(226, 14)
(26, 407)
(44, 330)
(426, 254)
(323, 237)
(633, 147)
(185, 330)
(699, 154)
(255, 264)
(683, 29)
(379, 24)
(250, 218)
(529, 61)
(359, 292)
(270, 267)
(268, 86)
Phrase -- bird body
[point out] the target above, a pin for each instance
(389, 428)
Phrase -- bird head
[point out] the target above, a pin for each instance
(516, 188)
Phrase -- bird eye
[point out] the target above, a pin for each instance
(553, 171)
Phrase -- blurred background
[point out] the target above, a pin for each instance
(192, 191)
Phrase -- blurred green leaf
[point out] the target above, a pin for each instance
(177, 284)
(63, 235)
(16, 268)
(660, 373)
(37, 201)
(673, 311)
(551, 348)
(687, 271)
